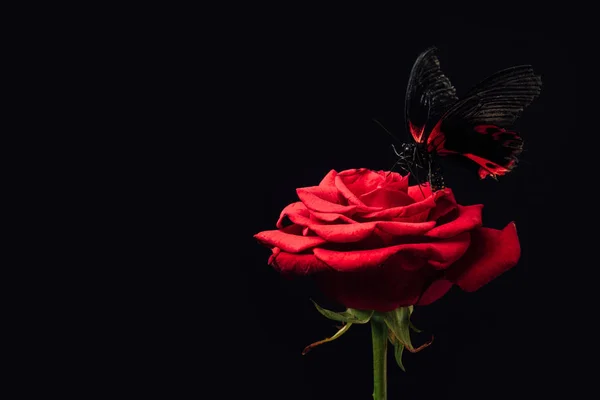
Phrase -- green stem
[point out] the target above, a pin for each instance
(379, 334)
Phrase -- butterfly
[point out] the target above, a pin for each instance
(475, 127)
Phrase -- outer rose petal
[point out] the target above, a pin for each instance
(349, 233)
(382, 289)
(329, 193)
(287, 242)
(343, 233)
(296, 212)
(435, 291)
(329, 179)
(491, 253)
(405, 228)
(315, 203)
(293, 229)
(300, 264)
(469, 218)
(444, 253)
(331, 217)
(439, 254)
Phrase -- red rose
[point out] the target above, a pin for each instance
(374, 243)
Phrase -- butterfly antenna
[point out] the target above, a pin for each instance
(388, 132)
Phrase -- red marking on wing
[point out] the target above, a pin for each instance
(436, 141)
(483, 129)
(488, 167)
(499, 134)
(495, 142)
(416, 132)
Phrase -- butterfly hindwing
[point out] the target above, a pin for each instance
(476, 126)
(428, 95)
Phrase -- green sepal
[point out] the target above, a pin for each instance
(398, 349)
(339, 333)
(351, 315)
(398, 321)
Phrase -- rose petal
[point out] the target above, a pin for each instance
(329, 179)
(419, 193)
(327, 193)
(349, 233)
(343, 233)
(469, 218)
(316, 203)
(293, 229)
(360, 181)
(350, 197)
(295, 212)
(381, 289)
(492, 252)
(435, 291)
(353, 171)
(439, 254)
(395, 181)
(383, 197)
(405, 228)
(331, 217)
(421, 217)
(300, 264)
(287, 242)
(444, 204)
(415, 209)
(444, 253)
(347, 261)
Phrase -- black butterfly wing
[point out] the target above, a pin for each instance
(477, 125)
(428, 95)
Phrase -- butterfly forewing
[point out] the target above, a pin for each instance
(428, 95)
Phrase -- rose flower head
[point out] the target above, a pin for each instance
(373, 242)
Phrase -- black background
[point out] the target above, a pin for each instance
(198, 127)
(300, 97)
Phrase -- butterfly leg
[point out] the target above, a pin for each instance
(417, 158)
(415, 175)
(429, 173)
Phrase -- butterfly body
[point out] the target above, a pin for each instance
(416, 155)
(475, 127)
